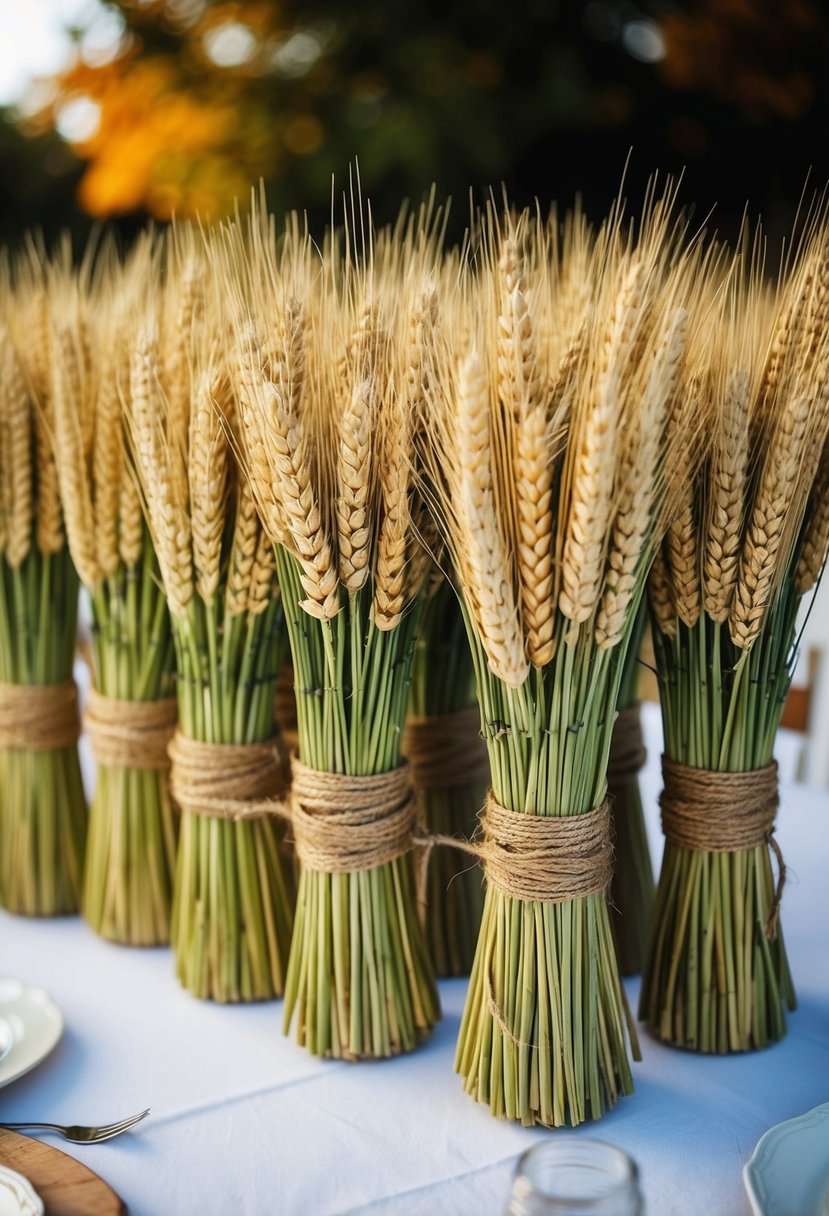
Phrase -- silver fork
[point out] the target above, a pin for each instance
(81, 1135)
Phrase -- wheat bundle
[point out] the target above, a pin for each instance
(43, 814)
(231, 924)
(748, 543)
(332, 352)
(549, 467)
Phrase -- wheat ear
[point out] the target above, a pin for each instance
(69, 405)
(17, 441)
(659, 596)
(534, 492)
(728, 481)
(777, 487)
(108, 457)
(485, 564)
(354, 480)
(207, 473)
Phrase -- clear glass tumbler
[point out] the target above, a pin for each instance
(575, 1177)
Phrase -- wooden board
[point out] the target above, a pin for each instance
(66, 1186)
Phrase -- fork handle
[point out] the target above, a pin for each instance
(44, 1127)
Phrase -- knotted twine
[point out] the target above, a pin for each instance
(713, 812)
(39, 717)
(627, 747)
(130, 734)
(446, 751)
(232, 781)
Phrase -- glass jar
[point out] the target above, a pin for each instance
(575, 1177)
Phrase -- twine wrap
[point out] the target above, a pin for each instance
(627, 747)
(130, 734)
(225, 780)
(549, 858)
(39, 717)
(446, 750)
(343, 823)
(713, 812)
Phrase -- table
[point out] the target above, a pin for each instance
(245, 1123)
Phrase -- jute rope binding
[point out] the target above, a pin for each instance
(446, 750)
(130, 734)
(225, 780)
(712, 812)
(39, 717)
(627, 747)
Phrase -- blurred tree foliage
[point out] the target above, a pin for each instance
(199, 100)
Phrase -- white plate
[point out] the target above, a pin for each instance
(788, 1172)
(36, 1024)
(17, 1198)
(6, 1038)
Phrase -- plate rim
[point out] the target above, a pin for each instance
(39, 1208)
(53, 1010)
(750, 1173)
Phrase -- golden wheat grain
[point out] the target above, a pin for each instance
(246, 534)
(108, 453)
(768, 520)
(207, 473)
(17, 442)
(485, 563)
(727, 484)
(534, 491)
(130, 518)
(354, 481)
(640, 487)
(262, 576)
(661, 602)
(70, 407)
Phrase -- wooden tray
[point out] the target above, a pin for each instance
(66, 1187)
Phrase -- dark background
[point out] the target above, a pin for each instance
(546, 98)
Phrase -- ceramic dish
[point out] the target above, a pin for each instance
(35, 1023)
(6, 1038)
(788, 1172)
(17, 1198)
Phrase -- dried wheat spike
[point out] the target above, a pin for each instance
(69, 407)
(815, 544)
(767, 523)
(591, 504)
(534, 491)
(249, 382)
(302, 520)
(50, 534)
(683, 558)
(130, 519)
(108, 457)
(519, 379)
(207, 473)
(16, 416)
(187, 295)
(639, 502)
(660, 600)
(262, 574)
(246, 535)
(485, 563)
(728, 481)
(354, 479)
(169, 522)
(390, 574)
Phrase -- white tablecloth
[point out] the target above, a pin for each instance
(243, 1121)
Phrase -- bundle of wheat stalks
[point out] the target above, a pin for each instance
(232, 914)
(365, 453)
(748, 542)
(130, 853)
(42, 813)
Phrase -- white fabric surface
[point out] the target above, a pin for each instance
(245, 1122)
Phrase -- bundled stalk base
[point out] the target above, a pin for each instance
(717, 978)
(232, 907)
(360, 982)
(43, 814)
(543, 1038)
(443, 687)
(131, 847)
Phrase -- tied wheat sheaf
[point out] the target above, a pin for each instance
(333, 356)
(231, 922)
(130, 851)
(748, 542)
(43, 816)
(550, 469)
